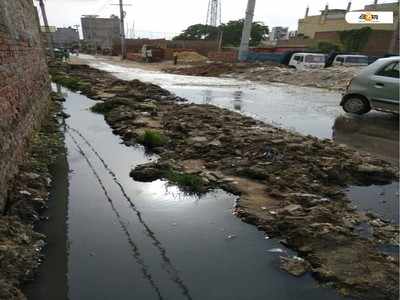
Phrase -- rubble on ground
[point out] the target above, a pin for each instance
(20, 245)
(290, 185)
(333, 78)
(189, 56)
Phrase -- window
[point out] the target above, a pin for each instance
(315, 58)
(391, 70)
(340, 59)
(357, 60)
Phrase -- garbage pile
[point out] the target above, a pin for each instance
(333, 78)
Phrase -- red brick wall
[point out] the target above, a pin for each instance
(223, 56)
(24, 84)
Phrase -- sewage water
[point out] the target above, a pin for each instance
(302, 109)
(131, 240)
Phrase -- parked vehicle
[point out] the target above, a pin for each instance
(302, 61)
(351, 60)
(375, 88)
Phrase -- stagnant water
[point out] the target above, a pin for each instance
(131, 240)
(305, 110)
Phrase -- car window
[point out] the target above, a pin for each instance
(357, 60)
(315, 59)
(391, 70)
(298, 58)
(340, 59)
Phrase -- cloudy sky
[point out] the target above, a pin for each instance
(165, 18)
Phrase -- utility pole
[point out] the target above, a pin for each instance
(246, 34)
(79, 37)
(46, 25)
(122, 27)
(122, 16)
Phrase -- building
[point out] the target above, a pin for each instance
(100, 33)
(330, 20)
(65, 38)
(279, 33)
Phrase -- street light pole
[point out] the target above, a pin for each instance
(122, 28)
(46, 25)
(246, 34)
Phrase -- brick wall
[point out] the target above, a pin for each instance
(24, 84)
(223, 56)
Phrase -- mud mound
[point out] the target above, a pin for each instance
(189, 56)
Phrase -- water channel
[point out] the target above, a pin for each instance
(130, 240)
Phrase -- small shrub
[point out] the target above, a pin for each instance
(71, 82)
(192, 183)
(152, 139)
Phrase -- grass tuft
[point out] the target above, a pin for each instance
(189, 182)
(71, 82)
(152, 139)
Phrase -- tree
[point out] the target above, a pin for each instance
(232, 33)
(199, 32)
(355, 40)
(327, 47)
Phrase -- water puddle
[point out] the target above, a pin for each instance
(152, 241)
(382, 200)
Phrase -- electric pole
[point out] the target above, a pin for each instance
(247, 26)
(122, 16)
(79, 37)
(46, 26)
(122, 27)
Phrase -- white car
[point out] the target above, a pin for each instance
(375, 88)
(350, 60)
(304, 61)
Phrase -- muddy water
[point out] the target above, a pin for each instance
(130, 240)
(301, 109)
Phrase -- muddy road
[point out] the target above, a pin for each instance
(305, 110)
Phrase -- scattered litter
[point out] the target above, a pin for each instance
(26, 193)
(276, 250)
(231, 236)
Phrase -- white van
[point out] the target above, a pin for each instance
(303, 61)
(350, 60)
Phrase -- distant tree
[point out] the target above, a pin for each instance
(232, 33)
(327, 47)
(355, 40)
(199, 32)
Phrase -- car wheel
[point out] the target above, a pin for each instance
(356, 105)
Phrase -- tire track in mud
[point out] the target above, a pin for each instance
(167, 266)
(134, 248)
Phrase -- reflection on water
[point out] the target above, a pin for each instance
(151, 241)
(207, 97)
(304, 110)
(383, 200)
(237, 100)
(376, 133)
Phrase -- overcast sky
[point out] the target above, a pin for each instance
(158, 18)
